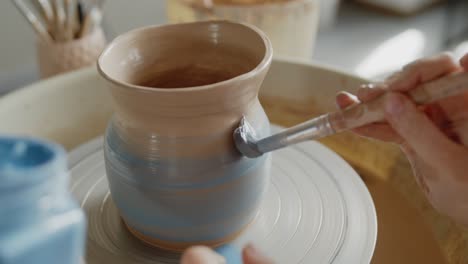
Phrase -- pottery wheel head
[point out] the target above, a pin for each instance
(316, 210)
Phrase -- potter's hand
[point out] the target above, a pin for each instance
(204, 255)
(433, 137)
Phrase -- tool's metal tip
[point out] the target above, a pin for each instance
(244, 138)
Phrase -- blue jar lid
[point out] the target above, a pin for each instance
(26, 161)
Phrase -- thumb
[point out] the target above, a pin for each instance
(252, 255)
(417, 130)
(201, 255)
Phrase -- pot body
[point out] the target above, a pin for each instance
(173, 170)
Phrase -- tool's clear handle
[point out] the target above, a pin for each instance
(313, 129)
(373, 111)
(361, 114)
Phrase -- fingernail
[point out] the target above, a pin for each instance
(348, 94)
(341, 93)
(217, 259)
(394, 105)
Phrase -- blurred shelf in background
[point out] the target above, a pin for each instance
(373, 44)
(360, 39)
(401, 7)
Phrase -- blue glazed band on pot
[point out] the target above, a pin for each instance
(179, 91)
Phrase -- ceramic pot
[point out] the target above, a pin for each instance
(291, 25)
(173, 170)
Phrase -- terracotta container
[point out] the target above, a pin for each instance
(172, 167)
(291, 25)
(61, 57)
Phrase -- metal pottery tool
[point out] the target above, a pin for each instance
(91, 21)
(339, 121)
(62, 20)
(36, 24)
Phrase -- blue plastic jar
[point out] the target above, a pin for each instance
(40, 223)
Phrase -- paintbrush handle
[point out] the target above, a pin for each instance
(318, 127)
(32, 19)
(68, 32)
(361, 114)
(373, 111)
(44, 10)
(91, 21)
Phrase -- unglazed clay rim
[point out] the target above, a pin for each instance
(264, 63)
(249, 6)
